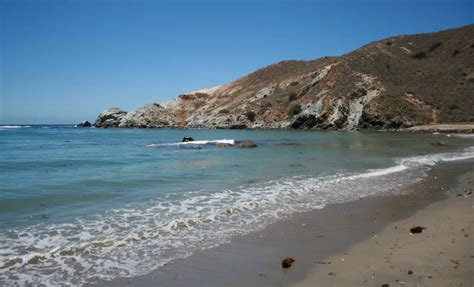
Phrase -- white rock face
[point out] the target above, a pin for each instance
(262, 93)
(110, 118)
(148, 116)
(314, 109)
(356, 108)
(170, 104)
(336, 112)
(321, 74)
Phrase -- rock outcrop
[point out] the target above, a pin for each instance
(247, 144)
(395, 83)
(84, 124)
(110, 118)
(150, 116)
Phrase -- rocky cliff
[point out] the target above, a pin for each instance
(394, 83)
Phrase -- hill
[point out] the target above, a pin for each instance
(394, 83)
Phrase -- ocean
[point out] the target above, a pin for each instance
(79, 205)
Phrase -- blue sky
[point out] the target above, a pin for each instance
(66, 61)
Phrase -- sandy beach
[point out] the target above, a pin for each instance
(361, 243)
(442, 255)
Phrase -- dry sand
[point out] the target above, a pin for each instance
(442, 255)
(445, 128)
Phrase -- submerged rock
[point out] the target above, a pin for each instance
(247, 144)
(438, 144)
(287, 262)
(223, 145)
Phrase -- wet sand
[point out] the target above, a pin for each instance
(352, 236)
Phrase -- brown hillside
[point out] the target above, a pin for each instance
(397, 82)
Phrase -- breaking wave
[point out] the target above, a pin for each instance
(196, 143)
(6, 127)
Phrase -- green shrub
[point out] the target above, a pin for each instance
(294, 110)
(435, 46)
(420, 55)
(294, 83)
(453, 107)
(250, 115)
(292, 97)
(223, 111)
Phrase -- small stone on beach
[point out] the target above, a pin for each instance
(417, 229)
(322, 262)
(287, 262)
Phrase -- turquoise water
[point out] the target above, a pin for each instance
(77, 205)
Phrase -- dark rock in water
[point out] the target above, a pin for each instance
(187, 139)
(224, 145)
(305, 122)
(417, 229)
(287, 262)
(410, 272)
(385, 285)
(238, 127)
(110, 118)
(438, 144)
(247, 144)
(190, 146)
(84, 124)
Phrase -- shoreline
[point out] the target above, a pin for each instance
(457, 128)
(255, 259)
(443, 128)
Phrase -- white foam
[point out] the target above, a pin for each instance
(197, 143)
(432, 159)
(380, 172)
(134, 240)
(14, 127)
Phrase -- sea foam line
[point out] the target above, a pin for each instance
(13, 127)
(200, 142)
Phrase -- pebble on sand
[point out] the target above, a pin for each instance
(417, 229)
(287, 262)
